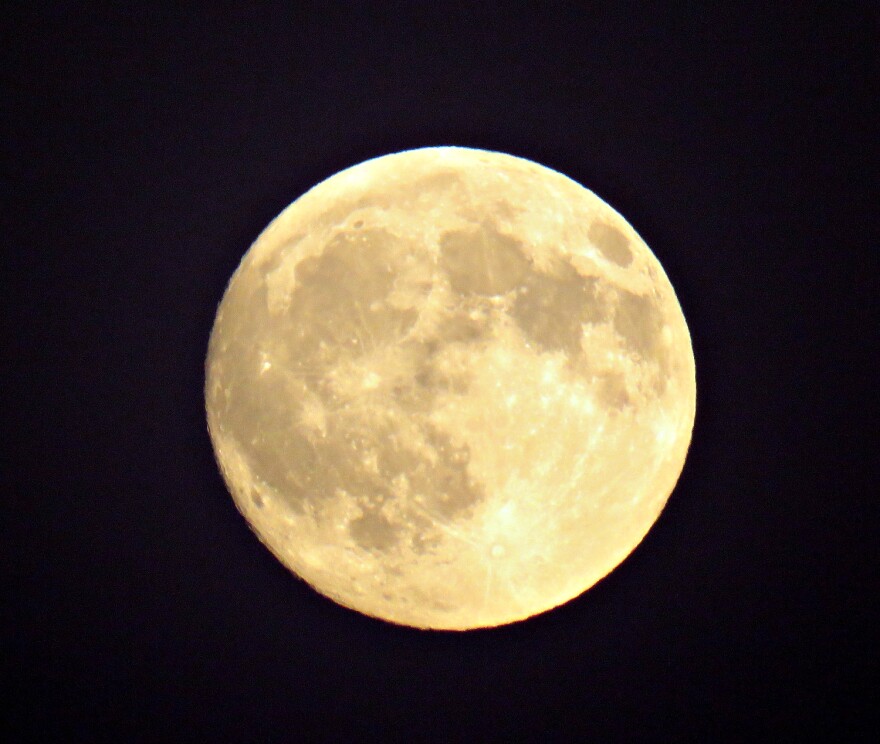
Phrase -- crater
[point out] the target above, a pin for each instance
(613, 244)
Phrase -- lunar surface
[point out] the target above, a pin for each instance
(450, 388)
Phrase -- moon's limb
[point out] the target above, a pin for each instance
(450, 388)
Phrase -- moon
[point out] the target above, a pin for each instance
(450, 388)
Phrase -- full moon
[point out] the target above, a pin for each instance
(450, 388)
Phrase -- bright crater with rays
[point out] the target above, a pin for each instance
(450, 388)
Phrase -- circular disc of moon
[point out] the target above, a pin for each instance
(450, 388)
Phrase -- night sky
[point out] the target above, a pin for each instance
(144, 149)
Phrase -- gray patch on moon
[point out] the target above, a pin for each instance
(339, 313)
(639, 320)
(286, 461)
(438, 490)
(373, 531)
(612, 390)
(612, 242)
(552, 307)
(243, 321)
(340, 301)
(308, 473)
(448, 487)
(460, 327)
(482, 261)
(437, 478)
(434, 378)
(456, 328)
(442, 180)
(505, 209)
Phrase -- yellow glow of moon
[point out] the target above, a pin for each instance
(450, 388)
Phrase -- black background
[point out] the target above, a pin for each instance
(145, 148)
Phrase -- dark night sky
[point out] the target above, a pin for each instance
(144, 150)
